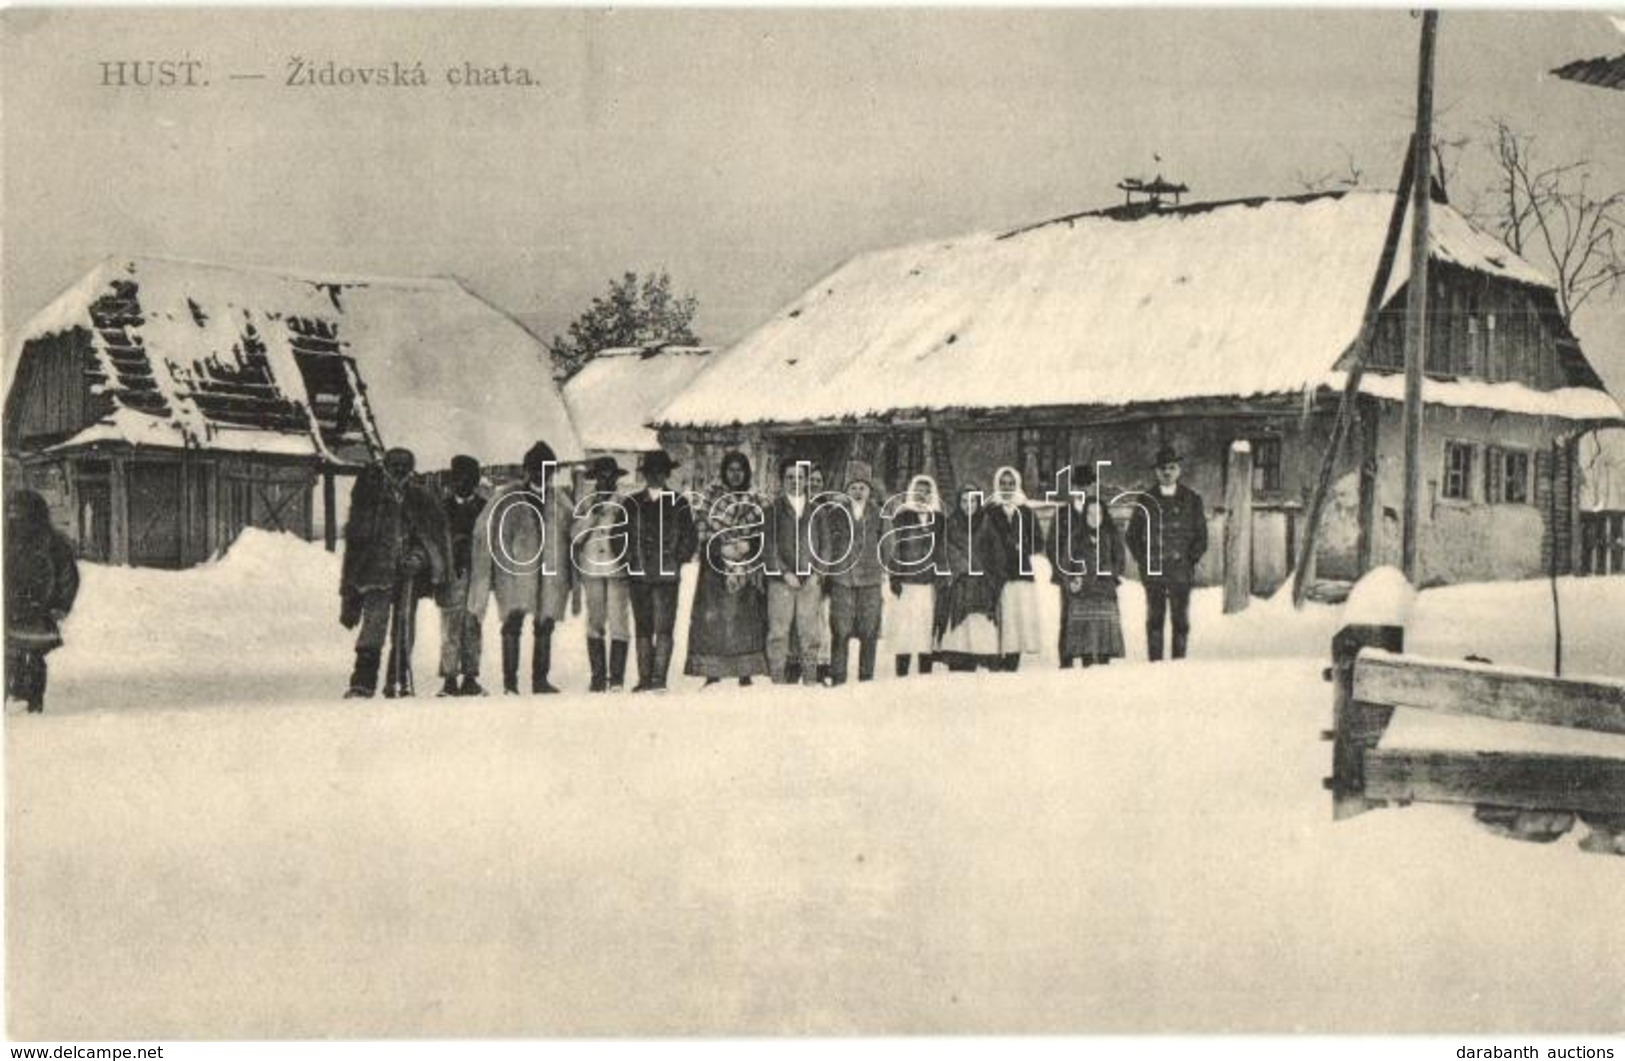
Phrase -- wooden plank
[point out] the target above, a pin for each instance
(1531, 781)
(1483, 690)
(1238, 529)
(119, 513)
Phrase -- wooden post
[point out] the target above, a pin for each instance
(1416, 302)
(330, 533)
(118, 518)
(1357, 727)
(1370, 529)
(1238, 528)
(1557, 604)
(1304, 569)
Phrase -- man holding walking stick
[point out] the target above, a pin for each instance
(396, 549)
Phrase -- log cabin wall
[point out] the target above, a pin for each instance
(49, 399)
(1480, 327)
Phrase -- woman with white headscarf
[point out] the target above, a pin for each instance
(1014, 527)
(916, 534)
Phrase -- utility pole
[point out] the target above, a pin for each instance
(1416, 303)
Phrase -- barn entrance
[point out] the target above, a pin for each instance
(156, 511)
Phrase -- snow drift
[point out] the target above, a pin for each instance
(205, 842)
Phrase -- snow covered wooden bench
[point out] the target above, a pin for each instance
(1413, 729)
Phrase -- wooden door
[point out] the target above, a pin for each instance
(157, 510)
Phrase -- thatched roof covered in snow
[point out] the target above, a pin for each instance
(614, 395)
(1259, 297)
(195, 355)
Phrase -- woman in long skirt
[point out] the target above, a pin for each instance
(727, 628)
(911, 616)
(1015, 527)
(968, 607)
(1086, 552)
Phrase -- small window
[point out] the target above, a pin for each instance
(1458, 471)
(1514, 477)
(1266, 465)
(1506, 476)
(1040, 453)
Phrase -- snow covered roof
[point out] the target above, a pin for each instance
(1209, 300)
(193, 354)
(614, 395)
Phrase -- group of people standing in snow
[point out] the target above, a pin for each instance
(785, 583)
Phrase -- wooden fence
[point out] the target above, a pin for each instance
(1374, 678)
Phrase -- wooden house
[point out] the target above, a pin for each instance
(615, 395)
(1103, 336)
(161, 406)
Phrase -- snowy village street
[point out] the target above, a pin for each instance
(203, 839)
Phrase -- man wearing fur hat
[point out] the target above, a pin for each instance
(396, 550)
(522, 555)
(857, 535)
(599, 546)
(663, 538)
(1167, 549)
(460, 629)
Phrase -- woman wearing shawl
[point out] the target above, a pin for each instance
(1086, 555)
(42, 579)
(968, 609)
(727, 628)
(1015, 529)
(917, 537)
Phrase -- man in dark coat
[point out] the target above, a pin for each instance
(42, 580)
(396, 550)
(662, 538)
(459, 628)
(1167, 536)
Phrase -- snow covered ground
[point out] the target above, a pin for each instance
(204, 841)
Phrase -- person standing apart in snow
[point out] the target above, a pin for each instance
(522, 555)
(858, 564)
(396, 549)
(1014, 526)
(968, 609)
(42, 580)
(727, 628)
(663, 539)
(459, 629)
(916, 537)
(1167, 536)
(795, 541)
(600, 548)
(1086, 559)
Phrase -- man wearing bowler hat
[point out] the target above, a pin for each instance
(599, 545)
(1167, 536)
(663, 538)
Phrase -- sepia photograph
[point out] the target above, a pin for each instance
(660, 523)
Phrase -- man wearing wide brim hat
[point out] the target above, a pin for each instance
(662, 538)
(1167, 535)
(600, 541)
